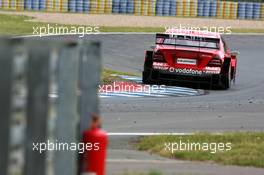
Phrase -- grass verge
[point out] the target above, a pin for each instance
(247, 148)
(22, 25)
(19, 25)
(137, 173)
(108, 78)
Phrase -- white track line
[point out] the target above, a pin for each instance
(149, 133)
(144, 161)
(158, 133)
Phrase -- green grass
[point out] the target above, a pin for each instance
(137, 173)
(22, 25)
(107, 77)
(153, 173)
(248, 30)
(247, 148)
(132, 29)
(15, 25)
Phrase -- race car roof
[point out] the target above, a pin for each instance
(199, 33)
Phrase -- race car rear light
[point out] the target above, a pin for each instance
(215, 62)
(158, 57)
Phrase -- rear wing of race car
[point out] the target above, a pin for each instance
(160, 37)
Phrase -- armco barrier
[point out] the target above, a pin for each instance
(180, 8)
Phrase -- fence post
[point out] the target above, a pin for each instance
(90, 69)
(6, 80)
(67, 116)
(37, 106)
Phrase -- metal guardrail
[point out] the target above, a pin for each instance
(180, 8)
(30, 70)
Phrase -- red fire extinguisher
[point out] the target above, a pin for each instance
(94, 157)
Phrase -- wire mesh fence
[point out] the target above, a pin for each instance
(250, 9)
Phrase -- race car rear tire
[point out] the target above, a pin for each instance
(146, 77)
(226, 79)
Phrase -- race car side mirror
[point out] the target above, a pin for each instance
(234, 53)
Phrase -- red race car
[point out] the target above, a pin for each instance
(190, 56)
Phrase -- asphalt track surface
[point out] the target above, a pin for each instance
(240, 108)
